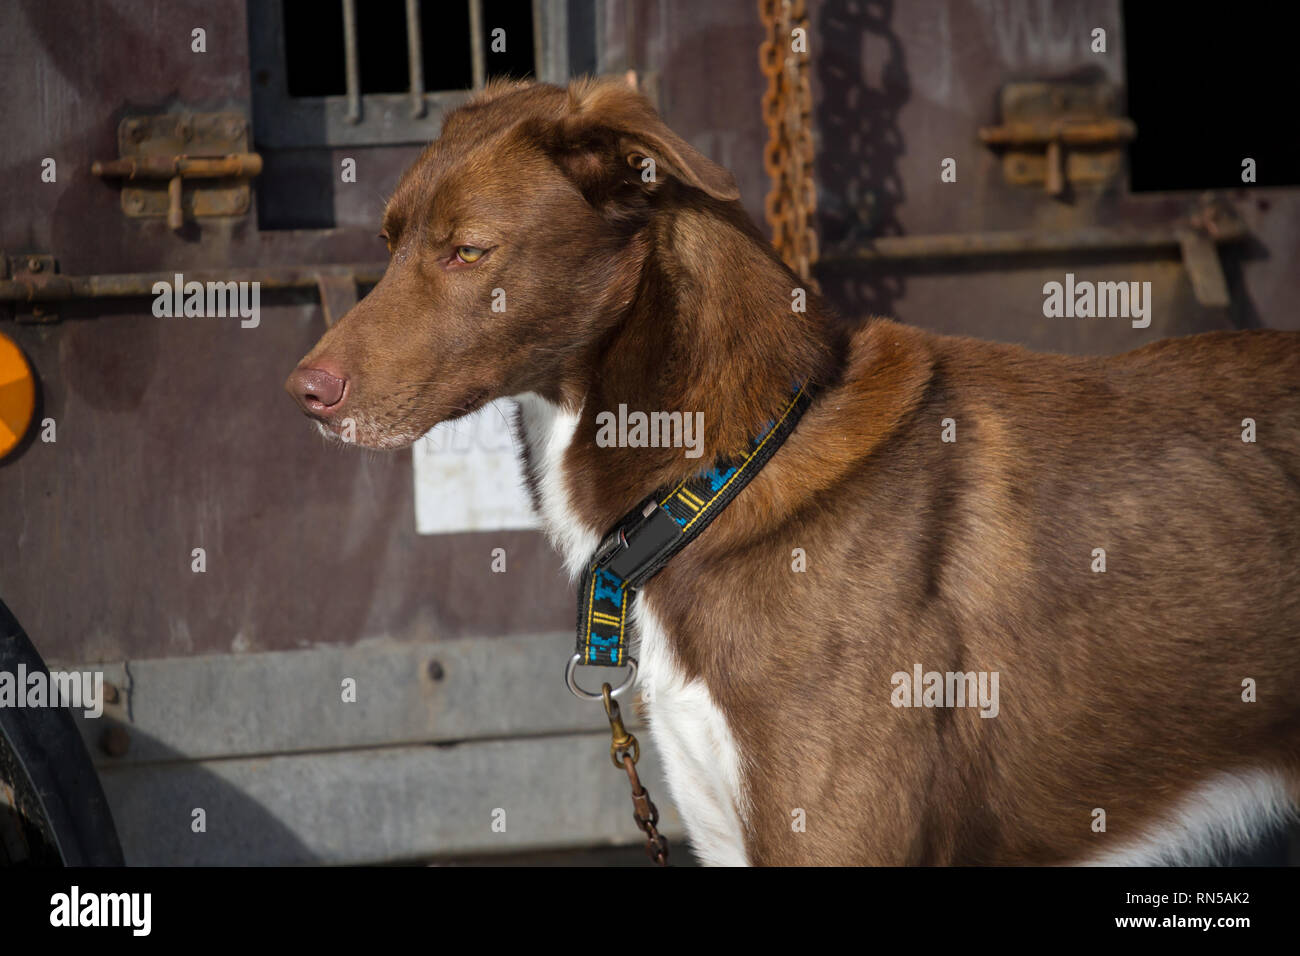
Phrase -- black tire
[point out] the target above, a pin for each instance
(52, 808)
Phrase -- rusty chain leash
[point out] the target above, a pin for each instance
(625, 752)
(788, 156)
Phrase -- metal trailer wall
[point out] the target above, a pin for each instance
(174, 434)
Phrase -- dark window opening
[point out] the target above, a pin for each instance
(444, 42)
(381, 45)
(1208, 90)
(313, 48)
(315, 58)
(515, 17)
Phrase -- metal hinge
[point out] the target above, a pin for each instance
(183, 165)
(1057, 134)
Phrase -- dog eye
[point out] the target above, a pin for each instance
(469, 253)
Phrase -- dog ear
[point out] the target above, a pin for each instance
(612, 136)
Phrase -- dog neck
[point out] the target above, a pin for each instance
(720, 330)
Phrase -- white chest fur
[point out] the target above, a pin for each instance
(699, 753)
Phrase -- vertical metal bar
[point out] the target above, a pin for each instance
(539, 43)
(551, 27)
(602, 26)
(629, 35)
(350, 58)
(476, 41)
(415, 56)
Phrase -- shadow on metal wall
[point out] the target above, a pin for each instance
(860, 144)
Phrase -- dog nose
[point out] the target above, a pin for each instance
(316, 390)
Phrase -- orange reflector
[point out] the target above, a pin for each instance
(17, 396)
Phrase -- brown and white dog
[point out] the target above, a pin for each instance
(1092, 537)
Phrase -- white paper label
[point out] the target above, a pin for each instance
(468, 477)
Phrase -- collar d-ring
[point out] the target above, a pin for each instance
(571, 680)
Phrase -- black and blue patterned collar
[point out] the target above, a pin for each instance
(646, 539)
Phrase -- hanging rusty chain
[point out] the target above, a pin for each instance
(787, 111)
(625, 752)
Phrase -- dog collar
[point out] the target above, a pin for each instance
(647, 537)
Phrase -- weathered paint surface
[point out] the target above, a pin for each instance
(173, 434)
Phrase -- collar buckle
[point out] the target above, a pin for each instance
(633, 551)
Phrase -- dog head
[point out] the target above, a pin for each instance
(515, 243)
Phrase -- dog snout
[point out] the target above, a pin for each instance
(319, 391)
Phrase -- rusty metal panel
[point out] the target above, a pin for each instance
(174, 434)
(900, 87)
